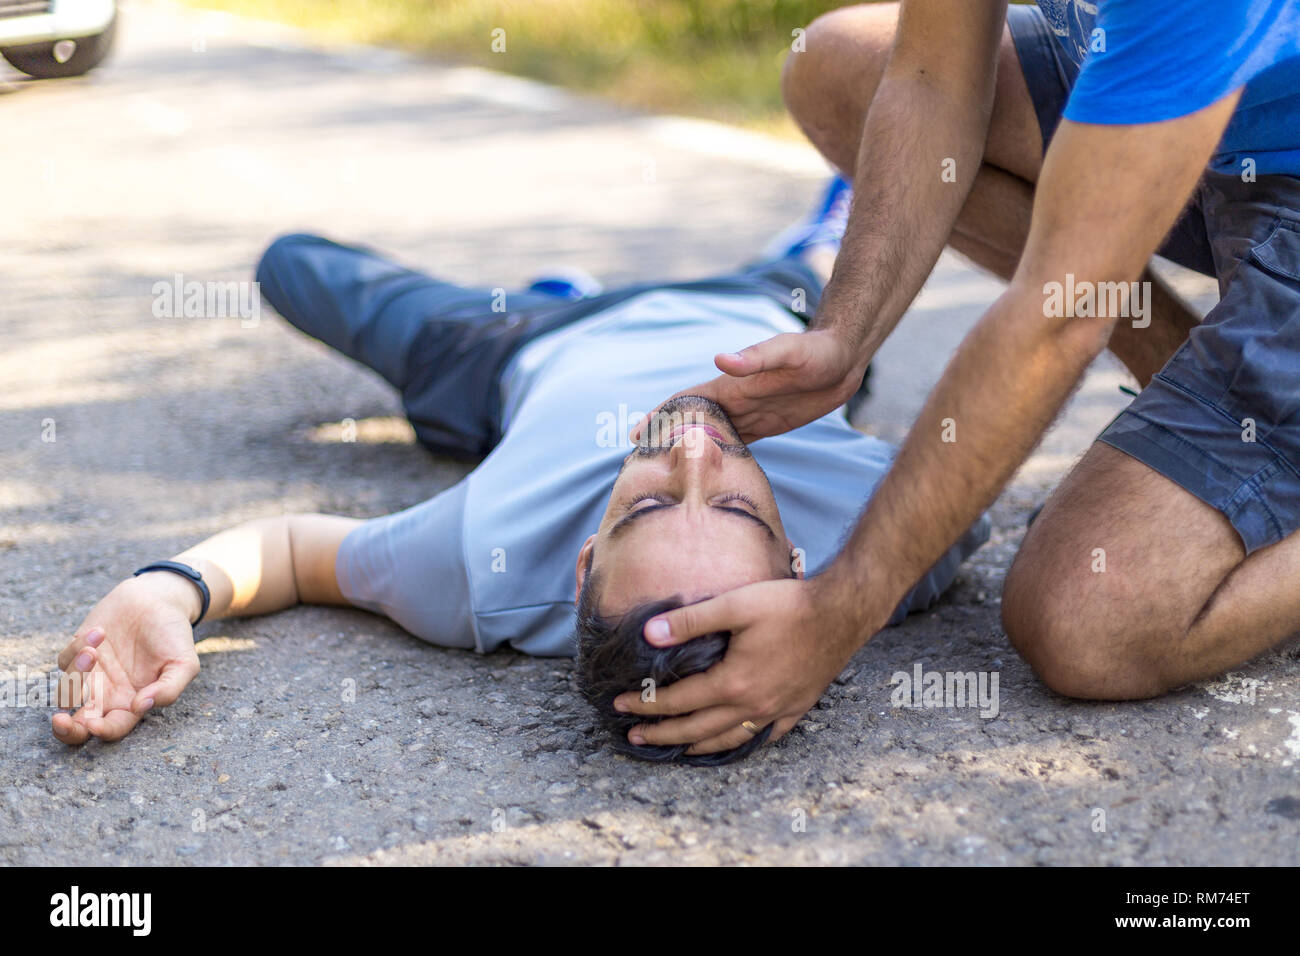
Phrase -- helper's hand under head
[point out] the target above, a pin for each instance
(787, 645)
(134, 651)
(782, 383)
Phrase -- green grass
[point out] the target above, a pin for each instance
(715, 58)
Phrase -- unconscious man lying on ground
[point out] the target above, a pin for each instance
(546, 390)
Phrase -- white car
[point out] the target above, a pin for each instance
(49, 38)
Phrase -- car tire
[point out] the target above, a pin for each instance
(38, 59)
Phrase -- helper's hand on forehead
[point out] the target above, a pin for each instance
(781, 383)
(785, 650)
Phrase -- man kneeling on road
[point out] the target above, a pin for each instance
(1060, 146)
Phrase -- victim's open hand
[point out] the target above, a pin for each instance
(134, 651)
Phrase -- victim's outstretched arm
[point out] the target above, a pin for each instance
(135, 649)
(271, 564)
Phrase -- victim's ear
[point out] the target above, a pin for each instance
(584, 565)
(797, 559)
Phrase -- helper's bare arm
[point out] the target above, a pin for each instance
(1106, 198)
(930, 114)
(139, 637)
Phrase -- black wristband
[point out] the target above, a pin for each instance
(187, 572)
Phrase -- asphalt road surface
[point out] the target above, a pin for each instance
(197, 143)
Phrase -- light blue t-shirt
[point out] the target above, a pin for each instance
(1144, 61)
(490, 561)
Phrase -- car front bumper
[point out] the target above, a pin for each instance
(65, 20)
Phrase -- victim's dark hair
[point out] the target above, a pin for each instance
(614, 658)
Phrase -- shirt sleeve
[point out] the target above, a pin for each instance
(410, 567)
(1154, 60)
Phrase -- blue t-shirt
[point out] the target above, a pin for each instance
(1144, 61)
(490, 562)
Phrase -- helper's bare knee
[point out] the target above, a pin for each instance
(832, 73)
(1101, 603)
(1082, 629)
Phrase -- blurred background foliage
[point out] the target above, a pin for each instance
(715, 58)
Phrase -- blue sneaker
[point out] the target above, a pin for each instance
(572, 284)
(823, 227)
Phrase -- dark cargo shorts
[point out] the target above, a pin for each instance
(1222, 418)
